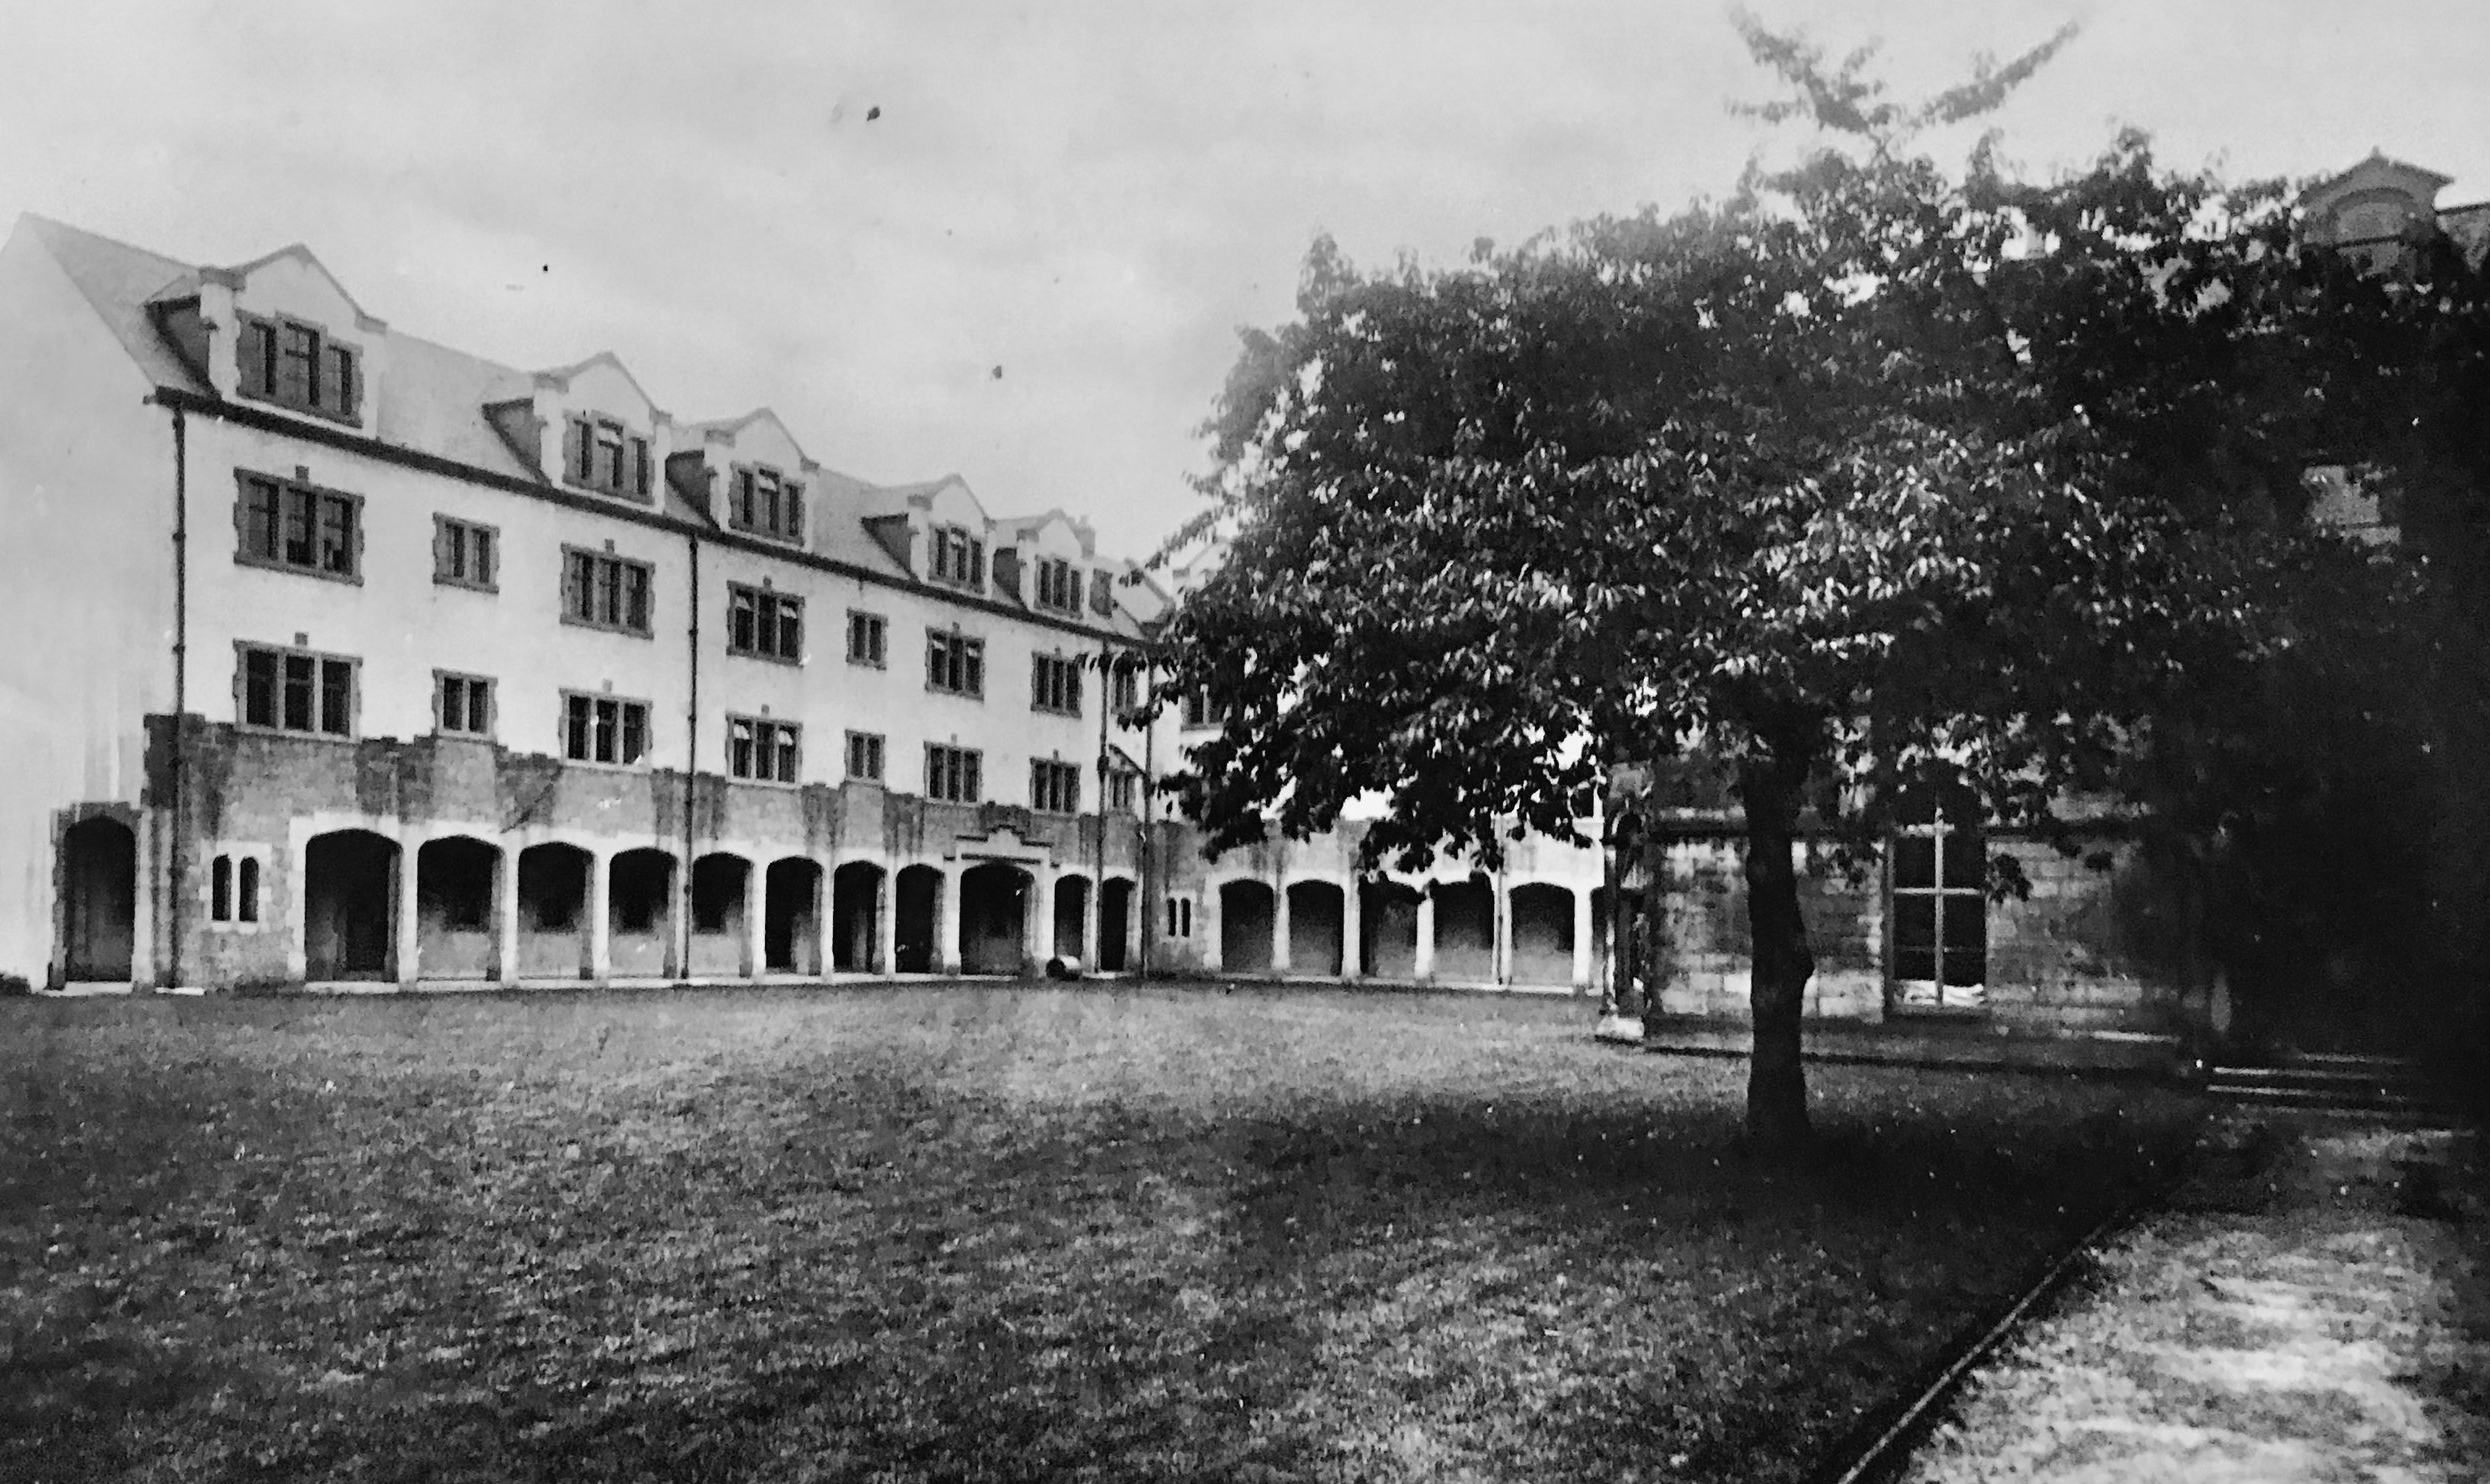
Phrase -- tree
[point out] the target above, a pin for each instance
(1859, 473)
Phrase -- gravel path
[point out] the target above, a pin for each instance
(2315, 1305)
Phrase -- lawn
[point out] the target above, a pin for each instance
(955, 1233)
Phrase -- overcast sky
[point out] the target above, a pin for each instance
(1029, 267)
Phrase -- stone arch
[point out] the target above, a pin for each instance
(791, 916)
(99, 900)
(553, 912)
(1245, 918)
(1543, 933)
(721, 935)
(994, 919)
(1465, 930)
(350, 891)
(457, 908)
(917, 901)
(639, 920)
(1315, 943)
(1388, 929)
(856, 909)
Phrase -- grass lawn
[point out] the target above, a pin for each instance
(958, 1233)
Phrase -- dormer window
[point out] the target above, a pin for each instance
(1058, 585)
(599, 453)
(1102, 593)
(295, 365)
(957, 557)
(766, 503)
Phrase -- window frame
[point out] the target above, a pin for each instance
(450, 531)
(1063, 696)
(237, 890)
(776, 750)
(619, 564)
(1938, 826)
(635, 457)
(966, 571)
(621, 730)
(962, 671)
(876, 747)
(441, 680)
(1056, 587)
(325, 349)
(319, 499)
(770, 613)
(959, 770)
(746, 484)
(319, 698)
(878, 626)
(1054, 786)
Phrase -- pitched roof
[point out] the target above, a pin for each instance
(118, 281)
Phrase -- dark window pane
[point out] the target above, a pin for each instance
(453, 705)
(1914, 862)
(634, 733)
(1966, 939)
(636, 605)
(298, 692)
(1966, 859)
(298, 526)
(1914, 923)
(259, 687)
(577, 741)
(336, 697)
(249, 894)
(337, 535)
(220, 889)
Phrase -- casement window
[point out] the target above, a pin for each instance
(606, 592)
(295, 365)
(764, 624)
(1102, 593)
(864, 756)
(868, 638)
(1200, 712)
(1939, 925)
(462, 703)
(298, 527)
(1055, 684)
(766, 503)
(601, 454)
(601, 729)
(1123, 791)
(233, 889)
(1127, 687)
(1058, 585)
(465, 554)
(957, 557)
(954, 663)
(1055, 788)
(951, 773)
(294, 690)
(1180, 917)
(763, 750)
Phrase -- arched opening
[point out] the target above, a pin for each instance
(1543, 934)
(1071, 925)
(1465, 930)
(1245, 927)
(349, 890)
(639, 923)
(1314, 928)
(553, 912)
(791, 917)
(99, 900)
(994, 904)
(718, 935)
(856, 918)
(919, 926)
(1115, 926)
(1388, 929)
(454, 927)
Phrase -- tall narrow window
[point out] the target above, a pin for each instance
(867, 638)
(1940, 902)
(463, 553)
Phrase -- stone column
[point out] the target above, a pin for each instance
(886, 924)
(1136, 908)
(600, 910)
(756, 907)
(1279, 926)
(1583, 930)
(408, 922)
(506, 917)
(947, 922)
(1037, 924)
(1094, 949)
(825, 919)
(1424, 968)
(1352, 929)
(1206, 927)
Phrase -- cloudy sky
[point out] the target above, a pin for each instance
(1029, 265)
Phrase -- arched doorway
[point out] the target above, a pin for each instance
(1314, 928)
(919, 908)
(553, 912)
(1465, 931)
(1071, 926)
(856, 918)
(1115, 918)
(99, 900)
(1388, 929)
(454, 936)
(718, 936)
(639, 924)
(791, 916)
(994, 909)
(1543, 934)
(349, 893)
(1245, 927)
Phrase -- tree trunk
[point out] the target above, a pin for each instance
(1776, 1088)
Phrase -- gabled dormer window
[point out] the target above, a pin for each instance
(599, 453)
(296, 365)
(957, 557)
(766, 503)
(1058, 585)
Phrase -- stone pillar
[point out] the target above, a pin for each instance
(886, 924)
(1136, 909)
(506, 917)
(600, 909)
(1424, 968)
(1206, 925)
(1037, 919)
(825, 919)
(1094, 949)
(756, 907)
(1352, 929)
(406, 922)
(947, 922)
(1279, 925)
(1583, 931)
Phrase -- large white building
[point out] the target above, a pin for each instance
(339, 655)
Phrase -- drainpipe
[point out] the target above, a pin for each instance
(1149, 825)
(181, 700)
(691, 770)
(1098, 877)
